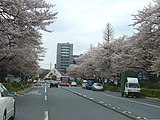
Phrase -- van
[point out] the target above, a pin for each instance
(89, 83)
(131, 87)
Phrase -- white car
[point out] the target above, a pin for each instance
(97, 86)
(73, 83)
(7, 104)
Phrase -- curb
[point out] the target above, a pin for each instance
(21, 92)
(157, 99)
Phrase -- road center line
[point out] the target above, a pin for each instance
(45, 97)
(134, 101)
(45, 90)
(46, 115)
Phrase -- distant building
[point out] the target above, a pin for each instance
(64, 56)
(43, 73)
(53, 75)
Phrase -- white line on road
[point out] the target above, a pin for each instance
(133, 101)
(46, 115)
(45, 90)
(45, 97)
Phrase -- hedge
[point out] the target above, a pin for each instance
(150, 85)
(112, 88)
(155, 93)
(15, 86)
(150, 92)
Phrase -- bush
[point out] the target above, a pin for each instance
(150, 92)
(8, 85)
(112, 88)
(16, 84)
(150, 85)
(155, 93)
(15, 89)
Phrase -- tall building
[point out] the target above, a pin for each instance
(64, 56)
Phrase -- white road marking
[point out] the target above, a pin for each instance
(133, 101)
(45, 90)
(45, 97)
(143, 118)
(46, 115)
(33, 92)
(101, 102)
(127, 112)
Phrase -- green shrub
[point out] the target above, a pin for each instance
(8, 85)
(155, 93)
(15, 89)
(150, 85)
(112, 88)
(16, 84)
(150, 92)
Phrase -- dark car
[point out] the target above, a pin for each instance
(89, 83)
(53, 84)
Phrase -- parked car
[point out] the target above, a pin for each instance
(7, 104)
(53, 83)
(89, 83)
(84, 84)
(97, 86)
(73, 83)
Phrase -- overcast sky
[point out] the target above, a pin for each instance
(82, 23)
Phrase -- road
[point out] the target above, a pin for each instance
(75, 103)
(138, 107)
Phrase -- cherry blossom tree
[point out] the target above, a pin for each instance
(87, 65)
(147, 23)
(139, 52)
(20, 37)
(74, 71)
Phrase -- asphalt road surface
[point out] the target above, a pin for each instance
(75, 103)
(139, 107)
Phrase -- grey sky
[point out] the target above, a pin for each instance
(82, 22)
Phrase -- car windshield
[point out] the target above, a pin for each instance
(84, 81)
(90, 82)
(134, 85)
(65, 79)
(98, 84)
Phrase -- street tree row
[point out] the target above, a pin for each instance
(139, 52)
(20, 38)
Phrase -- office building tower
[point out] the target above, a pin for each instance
(64, 56)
